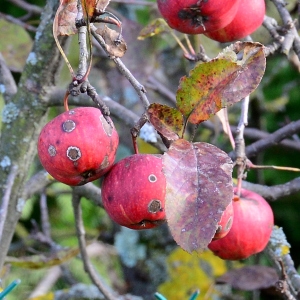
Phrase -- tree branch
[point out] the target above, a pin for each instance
(82, 245)
(274, 192)
(24, 117)
(272, 139)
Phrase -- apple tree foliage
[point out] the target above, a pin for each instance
(182, 100)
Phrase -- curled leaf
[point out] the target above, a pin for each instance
(115, 44)
(199, 188)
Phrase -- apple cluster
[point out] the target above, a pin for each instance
(79, 146)
(223, 21)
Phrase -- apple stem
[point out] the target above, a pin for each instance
(185, 51)
(191, 48)
(253, 166)
(66, 106)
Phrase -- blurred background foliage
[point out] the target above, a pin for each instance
(148, 261)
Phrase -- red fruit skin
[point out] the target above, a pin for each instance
(78, 146)
(249, 17)
(133, 192)
(197, 16)
(251, 228)
(225, 223)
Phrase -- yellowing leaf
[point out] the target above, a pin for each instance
(48, 296)
(219, 83)
(43, 261)
(167, 120)
(155, 27)
(189, 272)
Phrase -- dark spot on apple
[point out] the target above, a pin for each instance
(51, 150)
(110, 198)
(73, 153)
(89, 173)
(154, 206)
(193, 14)
(152, 178)
(68, 126)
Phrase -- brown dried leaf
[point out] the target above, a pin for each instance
(64, 23)
(89, 6)
(115, 46)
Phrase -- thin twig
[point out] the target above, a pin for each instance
(6, 197)
(240, 142)
(7, 80)
(45, 223)
(28, 7)
(82, 245)
(13, 20)
(274, 138)
(139, 88)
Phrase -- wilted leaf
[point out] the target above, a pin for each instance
(43, 261)
(221, 82)
(115, 46)
(250, 278)
(199, 188)
(64, 22)
(155, 27)
(166, 120)
(16, 48)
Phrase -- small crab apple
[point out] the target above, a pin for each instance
(78, 146)
(197, 16)
(133, 192)
(251, 228)
(248, 18)
(225, 223)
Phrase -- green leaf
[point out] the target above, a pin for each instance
(166, 120)
(16, 48)
(199, 188)
(219, 83)
(155, 27)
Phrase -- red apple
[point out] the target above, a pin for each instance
(197, 16)
(133, 192)
(78, 146)
(249, 17)
(251, 228)
(225, 223)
